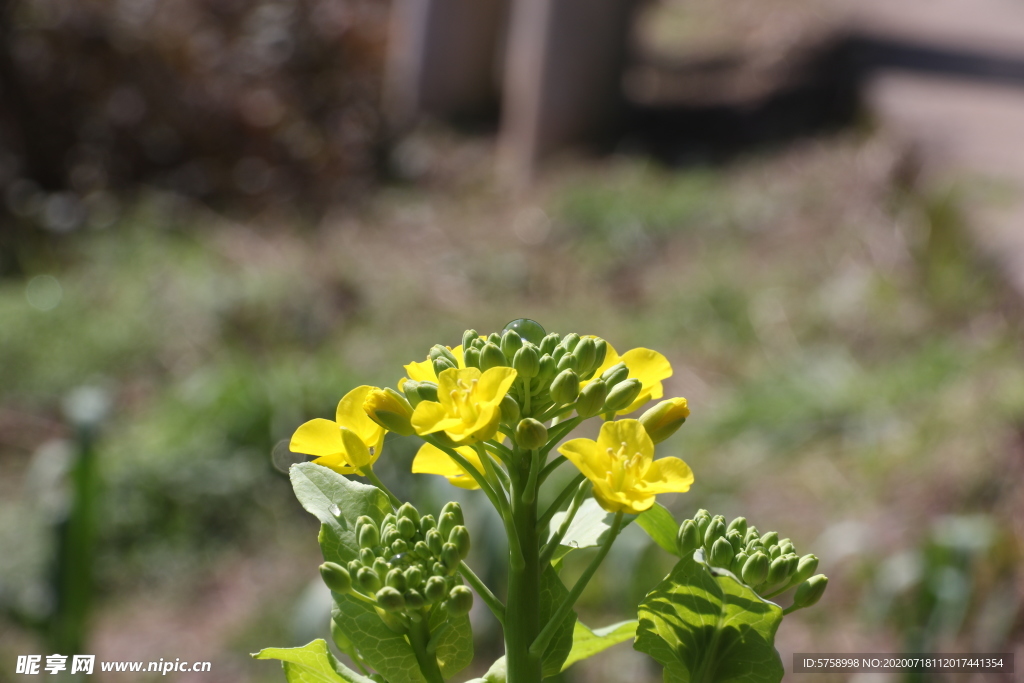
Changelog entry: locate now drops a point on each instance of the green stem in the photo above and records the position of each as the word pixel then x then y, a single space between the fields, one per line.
pixel 530 493
pixel 541 644
pixel 514 547
pixel 477 475
pixel 419 638
pixel 503 452
pixel 526 396
pixel 522 620
pixel 375 480
pixel 542 523
pixel 574 507
pixel 497 609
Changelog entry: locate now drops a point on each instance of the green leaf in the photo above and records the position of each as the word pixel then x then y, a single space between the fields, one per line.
pixel 455 648
pixel 552 593
pixel 496 674
pixel 704 626
pixel 312 663
pixel 661 526
pixel 337 502
pixel 587 643
pixel 587 529
pixel 386 651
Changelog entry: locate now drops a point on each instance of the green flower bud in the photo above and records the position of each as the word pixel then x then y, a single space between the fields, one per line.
pixel 390 409
pixel 460 601
pixel 531 434
pixel 468 337
pixel 805 568
pixel 615 374
pixel 494 338
pixel 738 562
pixel 354 566
pixel 438 569
pixel 414 577
pixel 740 525
pixel 450 557
pixel 787 546
pixel 754 545
pixel 568 362
pixel 406 528
pixel 460 539
pixel 492 357
pixel 389 535
pixel 367 580
pixel 471 357
pixel 510 343
pixel 769 539
pixel 548 369
pixel 526 362
pixel 447 523
pixel 442 351
pixel 810 591
pixel 399 547
pixel 336 577
pixel 703 522
pixel 721 554
pixel 570 341
pixel 456 510
pixel 380 568
pixel 735 540
pixel 435 589
pixel 509 409
pixel 548 344
pixel 665 418
pixel 369 537
pixel 427 522
pixel 340 639
pixel 442 364
pixel 558 353
pixel 752 533
pixel 422 551
pixel 715 531
pixel 417 392
pixel 390 599
pixel 565 387
pixel 585 354
pixel 414 599
pixel 688 538
pixel 366 557
pixel 434 541
pixel 755 570
pixel 775 552
pixel 778 571
pixel 591 399
pixel 408 511
pixel 601 350
pixel 396 579
pixel 622 395
pixel 529 330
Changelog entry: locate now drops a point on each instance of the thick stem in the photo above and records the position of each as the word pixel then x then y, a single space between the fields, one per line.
pixel 419 638
pixel 522 620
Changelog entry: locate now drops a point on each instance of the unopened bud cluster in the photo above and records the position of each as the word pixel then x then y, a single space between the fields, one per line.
pixel 764 562
pixel 408 563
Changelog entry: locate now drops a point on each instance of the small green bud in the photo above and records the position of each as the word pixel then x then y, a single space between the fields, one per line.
pixel 406 528
pixel 414 577
pixel 389 535
pixel 456 509
pixel 526 361
pixel 740 525
pixel 735 540
pixel 615 374
pixel 591 399
pixel 805 568
pixel 568 362
pixel 715 531
pixel 738 562
pixel 585 354
pixel 468 337
pixel 460 539
pixel 752 533
pixel 408 511
pixel 531 434
pixel 369 537
pixel 787 546
pixel 753 545
pixel 778 570
pixel 530 330
pixel 447 523
pixel 721 554
pixel 471 357
pixel 417 392
pixel 565 387
pixel 460 601
pixel 340 639
pixel 354 566
pixel 422 551
pixel 755 570
pixel 367 580
pixel 509 409
pixel 390 599
pixel 703 522
pixel 399 547
pixel 438 569
pixel 492 357
pixel 570 341
pixel 494 338
pixel 396 579
pixel 774 552
pixel 450 557
pixel 601 350
pixel 336 577
pixel 380 568
pixel 510 343
pixel 769 539
pixel 810 591
pixel 414 599
pixel 388 519
pixel 548 344
pixel 665 418
pixel 622 395
pixel 435 589
pixel 442 364
pixel 688 538
pixel 548 369
pixel 442 351
pixel 434 541
pixel 366 557
pixel 558 353
pixel 427 522
pixel 364 520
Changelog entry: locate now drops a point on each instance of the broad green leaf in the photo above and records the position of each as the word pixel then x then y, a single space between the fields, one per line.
pixel 552 593
pixel 587 529
pixel 496 674
pixel 704 626
pixel 455 649
pixel 312 663
pixel 337 502
pixel 587 643
pixel 661 526
pixel 385 650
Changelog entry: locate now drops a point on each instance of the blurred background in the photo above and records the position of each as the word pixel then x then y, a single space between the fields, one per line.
pixel 218 216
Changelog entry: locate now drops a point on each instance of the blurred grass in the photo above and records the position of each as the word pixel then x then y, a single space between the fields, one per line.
pixel 852 367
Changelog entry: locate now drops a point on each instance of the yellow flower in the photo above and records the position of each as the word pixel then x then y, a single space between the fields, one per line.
pixel 468 404
pixel 424 370
pixel 390 410
pixel 349 443
pixel 622 467
pixel 650 367
pixel 432 460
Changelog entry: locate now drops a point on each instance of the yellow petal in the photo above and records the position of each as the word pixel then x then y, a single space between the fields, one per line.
pixel 494 384
pixel 630 432
pixel 317 437
pixel 337 463
pixel 421 372
pixel 618 501
pixel 667 475
pixel 588 458
pixel 356 452
pixel 350 414
pixel 432 460
pixel 484 427
pixel 611 357
pixel 430 417
pixel 448 381
pixel 650 367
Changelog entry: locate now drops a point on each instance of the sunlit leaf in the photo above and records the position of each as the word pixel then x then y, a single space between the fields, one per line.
pixel 661 526
pixel 312 663
pixel 587 643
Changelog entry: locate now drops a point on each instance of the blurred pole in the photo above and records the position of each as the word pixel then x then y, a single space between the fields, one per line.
pixel 442 59
pixel 563 78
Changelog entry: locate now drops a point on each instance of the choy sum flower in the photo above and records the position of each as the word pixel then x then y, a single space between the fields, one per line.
pixel 432 460
pixel 622 467
pixel 646 365
pixel 349 443
pixel 468 404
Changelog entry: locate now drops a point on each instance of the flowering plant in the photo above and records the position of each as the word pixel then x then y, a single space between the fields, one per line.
pixel 491 413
